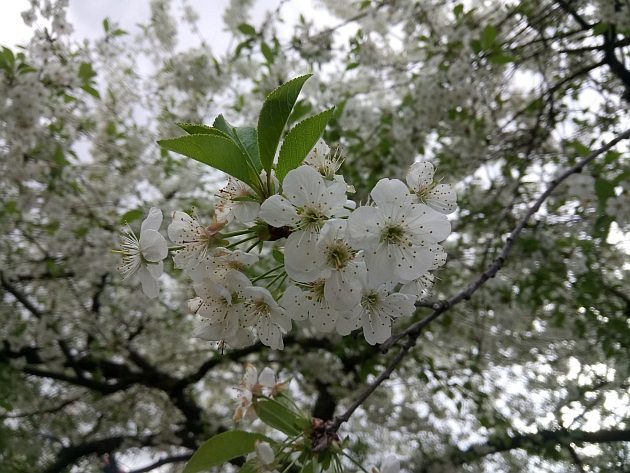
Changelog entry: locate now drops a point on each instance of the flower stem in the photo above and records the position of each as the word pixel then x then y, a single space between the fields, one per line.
pixel 252 246
pixel 237 233
pixel 272 270
pixel 236 243
pixel 176 247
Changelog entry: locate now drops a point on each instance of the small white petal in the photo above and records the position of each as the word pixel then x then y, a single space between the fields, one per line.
pixel 420 176
pixel 303 186
pixel 153 245
pixel 390 194
pixel 153 220
pixel 442 198
pixel 267 378
pixel 149 284
pixel 278 212
pixel 303 258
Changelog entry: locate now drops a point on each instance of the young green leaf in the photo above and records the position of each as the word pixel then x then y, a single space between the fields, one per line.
pixel 201 129
pixel 222 448
pixel 300 140
pixel 215 151
pixel 274 116
pixel 245 137
pixel 276 415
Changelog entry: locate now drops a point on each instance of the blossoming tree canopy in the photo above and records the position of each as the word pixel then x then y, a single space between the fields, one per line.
pixel 429 276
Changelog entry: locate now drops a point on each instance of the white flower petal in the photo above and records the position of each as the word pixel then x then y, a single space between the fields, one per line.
pixel 364 227
pixel 303 186
pixel 153 245
pixel 149 284
pixel 390 193
pixel 278 212
pixel 155 269
pixel 420 176
pixel 153 220
pixel 442 198
pixel 294 302
pixel 246 212
pixel 267 378
pixel 376 328
pixel 303 258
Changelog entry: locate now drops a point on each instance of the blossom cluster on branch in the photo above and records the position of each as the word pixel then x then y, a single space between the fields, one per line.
pixel 344 267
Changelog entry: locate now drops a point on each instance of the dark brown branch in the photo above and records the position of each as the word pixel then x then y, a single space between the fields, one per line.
pixel 566 6
pixel 162 461
pixel 69 455
pixel 542 439
pixel 413 332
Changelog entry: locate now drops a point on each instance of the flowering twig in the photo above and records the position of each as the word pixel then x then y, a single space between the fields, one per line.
pixel 413 332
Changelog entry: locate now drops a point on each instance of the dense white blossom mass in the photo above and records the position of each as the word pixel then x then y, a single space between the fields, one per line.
pixel 343 267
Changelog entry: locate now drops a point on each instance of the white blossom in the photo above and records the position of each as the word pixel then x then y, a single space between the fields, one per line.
pixel 142 258
pixel 376 311
pixel 308 204
pixel 396 234
pixel 440 197
pixel 310 303
pixel 264 313
pixel 236 201
pixel 198 243
pixel 219 307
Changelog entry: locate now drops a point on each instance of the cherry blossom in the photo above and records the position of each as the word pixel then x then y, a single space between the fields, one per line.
pixel 263 312
pixel 142 258
pixel 440 197
pixel 197 241
pixel 310 303
pixel 379 306
pixel 396 234
pixel 236 201
pixel 219 307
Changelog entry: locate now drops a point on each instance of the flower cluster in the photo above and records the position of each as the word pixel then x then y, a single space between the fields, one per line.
pixel 343 267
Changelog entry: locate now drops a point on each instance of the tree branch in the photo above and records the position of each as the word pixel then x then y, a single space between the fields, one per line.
pixel 542 439
pixel 413 331
pixel 162 461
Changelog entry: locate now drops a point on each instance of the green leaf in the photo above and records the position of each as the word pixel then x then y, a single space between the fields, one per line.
pixel 91 90
pixel 604 189
pixel 106 25
pixel 245 137
pixel 247 29
pixel 278 416
pixel 222 448
pixel 300 140
pixel 274 116
pixel 267 52
pixel 458 10
pixel 201 129
pixel 248 467
pixel 131 215
pixel 86 72
pixel 488 37
pixel 501 57
pixel 215 151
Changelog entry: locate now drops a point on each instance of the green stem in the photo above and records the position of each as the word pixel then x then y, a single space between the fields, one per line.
pixel 274 280
pixel 272 270
pixel 237 233
pixel 251 247
pixel 176 247
pixel 354 461
pixel 236 243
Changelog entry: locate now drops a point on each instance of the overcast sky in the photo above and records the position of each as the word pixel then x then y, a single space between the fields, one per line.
pixel 87 15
